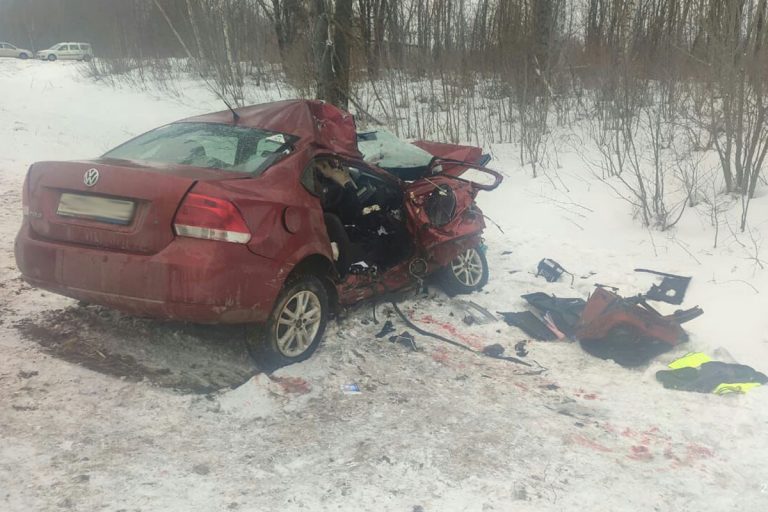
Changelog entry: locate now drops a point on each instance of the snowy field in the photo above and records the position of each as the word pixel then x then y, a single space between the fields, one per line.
pixel 103 412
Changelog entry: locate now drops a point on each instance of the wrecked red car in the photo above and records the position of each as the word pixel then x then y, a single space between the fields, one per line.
pixel 269 214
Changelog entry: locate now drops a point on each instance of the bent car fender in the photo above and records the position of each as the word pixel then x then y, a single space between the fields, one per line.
pixel 467 220
pixel 606 310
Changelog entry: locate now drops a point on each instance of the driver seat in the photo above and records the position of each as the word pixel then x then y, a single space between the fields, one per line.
pixel 349 252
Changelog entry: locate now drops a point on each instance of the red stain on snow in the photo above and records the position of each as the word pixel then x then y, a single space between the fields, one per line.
pixel 440 355
pixel 586 396
pixel 697 451
pixel 640 452
pixel 589 443
pixel 295 385
pixel 693 453
pixel 468 339
pixel 628 432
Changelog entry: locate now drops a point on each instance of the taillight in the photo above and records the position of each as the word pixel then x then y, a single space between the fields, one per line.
pixel 211 218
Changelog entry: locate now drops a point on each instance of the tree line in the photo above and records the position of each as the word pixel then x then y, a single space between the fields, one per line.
pixel 498 69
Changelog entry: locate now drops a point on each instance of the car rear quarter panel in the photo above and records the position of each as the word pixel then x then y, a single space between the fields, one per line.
pixel 285 220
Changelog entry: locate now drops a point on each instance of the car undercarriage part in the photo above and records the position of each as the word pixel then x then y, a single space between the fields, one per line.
pixel 564 312
pixel 529 324
pixel 671 289
pixel 605 310
pixel 629 330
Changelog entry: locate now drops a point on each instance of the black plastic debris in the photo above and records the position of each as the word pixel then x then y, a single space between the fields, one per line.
pixel 549 270
pixel 529 324
pixel 564 312
pixel 671 289
pixel 386 329
pixel 520 349
pixel 494 350
pixel 406 339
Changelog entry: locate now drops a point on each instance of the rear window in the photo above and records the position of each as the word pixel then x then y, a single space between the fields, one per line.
pixel 208 145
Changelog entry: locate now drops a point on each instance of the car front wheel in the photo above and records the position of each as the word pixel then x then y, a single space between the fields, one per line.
pixel 52 57
pixel 23 56
pixel 466 273
pixel 294 329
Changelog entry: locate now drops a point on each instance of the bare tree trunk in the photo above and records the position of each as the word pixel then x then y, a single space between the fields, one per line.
pixel 342 36
pixel 323 49
pixel 195 31
pixel 332 39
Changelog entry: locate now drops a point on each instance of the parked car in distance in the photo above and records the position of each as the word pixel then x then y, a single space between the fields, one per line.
pixel 273 215
pixel 9 50
pixel 67 51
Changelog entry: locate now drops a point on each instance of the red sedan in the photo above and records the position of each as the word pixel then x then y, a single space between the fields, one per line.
pixel 274 214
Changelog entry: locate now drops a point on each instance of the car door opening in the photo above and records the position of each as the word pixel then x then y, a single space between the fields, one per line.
pixel 363 214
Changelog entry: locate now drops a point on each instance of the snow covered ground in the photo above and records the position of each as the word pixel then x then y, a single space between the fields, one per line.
pixel 103 412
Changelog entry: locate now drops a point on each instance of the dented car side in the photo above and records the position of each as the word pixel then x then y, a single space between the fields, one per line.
pixel 195 235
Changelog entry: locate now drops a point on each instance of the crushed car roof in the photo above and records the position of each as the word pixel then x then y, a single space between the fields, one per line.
pixel 314 122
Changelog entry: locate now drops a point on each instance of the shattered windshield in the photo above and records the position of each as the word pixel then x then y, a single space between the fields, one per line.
pixel 207 145
pixel 383 148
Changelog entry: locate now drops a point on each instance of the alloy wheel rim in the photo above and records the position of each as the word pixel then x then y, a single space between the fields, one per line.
pixel 298 323
pixel 468 268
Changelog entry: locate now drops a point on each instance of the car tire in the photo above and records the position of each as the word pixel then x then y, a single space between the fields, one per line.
pixel 295 327
pixel 86 58
pixel 23 56
pixel 466 273
pixel 52 57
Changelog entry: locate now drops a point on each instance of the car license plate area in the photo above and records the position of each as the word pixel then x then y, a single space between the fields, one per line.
pixel 96 208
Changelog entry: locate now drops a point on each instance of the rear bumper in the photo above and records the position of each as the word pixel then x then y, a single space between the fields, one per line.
pixel 191 280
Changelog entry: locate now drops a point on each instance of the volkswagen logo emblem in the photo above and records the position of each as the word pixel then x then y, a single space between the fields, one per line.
pixel 91 177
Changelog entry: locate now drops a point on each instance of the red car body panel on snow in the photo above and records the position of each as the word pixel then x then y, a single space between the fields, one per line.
pixel 606 311
pixel 144 268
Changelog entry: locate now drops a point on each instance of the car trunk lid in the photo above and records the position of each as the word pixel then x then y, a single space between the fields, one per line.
pixel 110 204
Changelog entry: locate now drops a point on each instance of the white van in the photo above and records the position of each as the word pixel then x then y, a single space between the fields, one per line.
pixel 68 51
pixel 9 50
